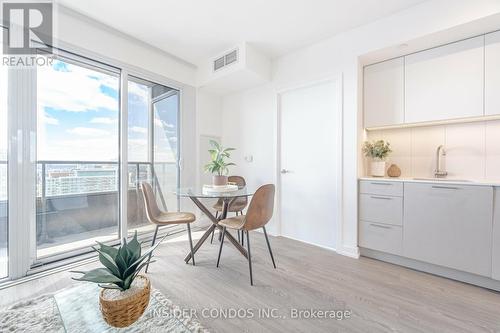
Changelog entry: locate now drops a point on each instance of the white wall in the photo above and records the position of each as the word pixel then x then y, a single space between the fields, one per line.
pixel 333 56
pixel 208 122
pixel 249 124
pixel 472 150
pixel 209 112
pixel 83 32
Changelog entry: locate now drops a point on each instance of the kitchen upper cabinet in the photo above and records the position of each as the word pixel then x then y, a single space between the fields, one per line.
pixel 383 93
pixel 445 82
pixel 449 225
pixel 492 74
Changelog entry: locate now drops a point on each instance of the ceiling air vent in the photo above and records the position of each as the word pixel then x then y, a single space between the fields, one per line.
pixel 225 60
pixel 219 63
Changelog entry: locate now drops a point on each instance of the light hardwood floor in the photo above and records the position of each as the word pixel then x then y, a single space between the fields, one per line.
pixel 382 297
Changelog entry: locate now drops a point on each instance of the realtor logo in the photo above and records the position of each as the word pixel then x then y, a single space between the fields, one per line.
pixel 29 27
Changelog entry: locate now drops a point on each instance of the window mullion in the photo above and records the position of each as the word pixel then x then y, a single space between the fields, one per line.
pixel 123 158
pixel 22 169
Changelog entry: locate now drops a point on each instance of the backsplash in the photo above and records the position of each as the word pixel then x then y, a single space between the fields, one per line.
pixel 472 149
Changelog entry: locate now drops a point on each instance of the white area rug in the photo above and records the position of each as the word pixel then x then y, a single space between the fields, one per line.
pixel 42 314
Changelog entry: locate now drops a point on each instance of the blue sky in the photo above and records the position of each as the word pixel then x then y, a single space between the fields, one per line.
pixel 78 112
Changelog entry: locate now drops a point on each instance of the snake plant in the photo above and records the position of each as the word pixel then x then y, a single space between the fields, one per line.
pixel 121 265
pixel 218 155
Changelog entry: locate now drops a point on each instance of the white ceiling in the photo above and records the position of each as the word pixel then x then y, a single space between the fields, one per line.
pixel 197 29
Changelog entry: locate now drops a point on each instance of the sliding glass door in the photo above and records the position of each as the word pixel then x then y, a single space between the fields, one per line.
pixel 3 170
pixel 77 185
pixel 166 145
pixel 85 135
pixel 152 148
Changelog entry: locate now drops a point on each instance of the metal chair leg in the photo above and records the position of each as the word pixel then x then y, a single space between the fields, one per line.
pixel 249 258
pixel 220 235
pixel 239 241
pixel 242 238
pixel 269 246
pixel 190 242
pixel 221 243
pixel 152 243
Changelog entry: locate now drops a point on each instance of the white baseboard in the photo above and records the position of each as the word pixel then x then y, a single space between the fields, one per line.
pixel 352 252
pixel 449 273
pixel 305 242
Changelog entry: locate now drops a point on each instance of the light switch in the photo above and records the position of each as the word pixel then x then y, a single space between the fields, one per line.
pixel 249 158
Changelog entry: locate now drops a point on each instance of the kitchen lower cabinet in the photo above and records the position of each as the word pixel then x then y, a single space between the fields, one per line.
pixel 449 225
pixel 495 260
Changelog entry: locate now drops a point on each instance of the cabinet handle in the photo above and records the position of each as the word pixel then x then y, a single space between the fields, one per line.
pixel 381 198
pixel 386 184
pixel 446 187
pixel 380 226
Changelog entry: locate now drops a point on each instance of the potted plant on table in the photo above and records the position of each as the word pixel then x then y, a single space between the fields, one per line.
pixel 125 293
pixel 218 165
pixel 378 151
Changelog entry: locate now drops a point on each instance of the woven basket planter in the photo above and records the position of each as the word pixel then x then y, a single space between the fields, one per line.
pixel 125 311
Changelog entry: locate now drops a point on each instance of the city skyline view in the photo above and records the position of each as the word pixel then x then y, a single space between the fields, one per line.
pixel 78 115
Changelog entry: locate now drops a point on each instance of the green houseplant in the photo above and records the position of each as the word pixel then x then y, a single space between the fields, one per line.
pixel 378 151
pixel 218 165
pixel 125 293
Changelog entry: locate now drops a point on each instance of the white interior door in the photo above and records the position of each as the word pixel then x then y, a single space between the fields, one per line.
pixel 309 150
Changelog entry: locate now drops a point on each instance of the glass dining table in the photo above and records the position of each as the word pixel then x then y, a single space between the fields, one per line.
pixel 227 198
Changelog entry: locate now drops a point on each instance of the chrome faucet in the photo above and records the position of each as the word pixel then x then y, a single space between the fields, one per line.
pixel 438 173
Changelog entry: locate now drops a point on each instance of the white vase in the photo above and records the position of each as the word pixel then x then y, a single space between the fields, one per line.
pixel 377 168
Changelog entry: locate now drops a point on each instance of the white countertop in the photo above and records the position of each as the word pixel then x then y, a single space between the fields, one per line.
pixel 480 182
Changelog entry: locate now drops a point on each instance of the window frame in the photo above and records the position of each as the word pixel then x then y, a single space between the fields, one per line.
pixel 22 143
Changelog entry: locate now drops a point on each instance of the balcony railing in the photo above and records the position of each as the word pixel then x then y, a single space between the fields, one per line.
pixel 78 201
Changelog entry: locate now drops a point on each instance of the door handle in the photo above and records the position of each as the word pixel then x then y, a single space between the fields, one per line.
pixel 446 187
pixel 283 171
pixel 380 198
pixel 380 226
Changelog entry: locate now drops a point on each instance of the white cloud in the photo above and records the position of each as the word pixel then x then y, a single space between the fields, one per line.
pixel 163 124
pixel 81 149
pixel 45 118
pixel 88 131
pixel 139 91
pixel 137 129
pixel 76 90
pixel 137 150
pixel 103 120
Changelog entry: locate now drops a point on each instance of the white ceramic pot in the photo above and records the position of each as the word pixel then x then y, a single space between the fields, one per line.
pixel 377 168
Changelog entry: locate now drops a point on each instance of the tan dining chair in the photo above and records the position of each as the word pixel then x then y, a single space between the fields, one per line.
pixel 161 218
pixel 236 207
pixel 258 214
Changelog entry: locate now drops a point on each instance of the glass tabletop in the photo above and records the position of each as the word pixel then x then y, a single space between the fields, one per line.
pixel 79 312
pixel 197 192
